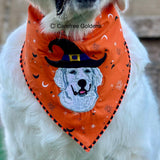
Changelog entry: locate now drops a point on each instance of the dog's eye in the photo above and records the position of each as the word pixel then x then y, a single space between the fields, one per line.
pixel 72 72
pixel 87 71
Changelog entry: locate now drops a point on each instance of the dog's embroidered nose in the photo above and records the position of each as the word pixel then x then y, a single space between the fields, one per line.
pixel 82 83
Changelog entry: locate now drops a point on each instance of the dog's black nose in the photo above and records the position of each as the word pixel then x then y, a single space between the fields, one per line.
pixel 82 83
pixel 81 1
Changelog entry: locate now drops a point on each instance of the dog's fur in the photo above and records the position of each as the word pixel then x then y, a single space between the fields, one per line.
pixel 31 135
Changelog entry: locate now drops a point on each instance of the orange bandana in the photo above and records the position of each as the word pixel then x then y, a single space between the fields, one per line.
pixel 80 84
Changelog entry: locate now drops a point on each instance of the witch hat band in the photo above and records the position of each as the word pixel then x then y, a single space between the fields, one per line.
pixel 73 57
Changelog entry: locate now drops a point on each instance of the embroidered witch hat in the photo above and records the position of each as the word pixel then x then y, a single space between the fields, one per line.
pixel 73 57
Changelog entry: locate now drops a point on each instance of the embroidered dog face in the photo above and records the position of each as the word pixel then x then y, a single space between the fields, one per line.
pixel 78 87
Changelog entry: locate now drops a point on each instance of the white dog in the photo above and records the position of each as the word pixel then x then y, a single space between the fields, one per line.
pixel 30 134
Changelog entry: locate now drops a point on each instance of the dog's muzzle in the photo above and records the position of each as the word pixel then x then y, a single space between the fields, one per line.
pixel 60 6
pixel 82 92
pixel 86 3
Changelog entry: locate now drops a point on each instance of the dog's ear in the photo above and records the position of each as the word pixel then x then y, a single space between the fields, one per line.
pixel 60 78
pixel 122 4
pixel 97 78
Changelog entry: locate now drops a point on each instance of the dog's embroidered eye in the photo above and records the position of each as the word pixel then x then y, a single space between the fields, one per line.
pixel 87 71
pixel 73 72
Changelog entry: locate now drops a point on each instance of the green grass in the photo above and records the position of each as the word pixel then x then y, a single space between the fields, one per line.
pixel 2 153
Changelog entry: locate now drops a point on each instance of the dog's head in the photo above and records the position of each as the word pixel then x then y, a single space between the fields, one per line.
pixel 72 11
pixel 78 87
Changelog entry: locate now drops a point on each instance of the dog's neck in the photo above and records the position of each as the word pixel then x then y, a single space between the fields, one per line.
pixel 76 27
pixel 69 26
